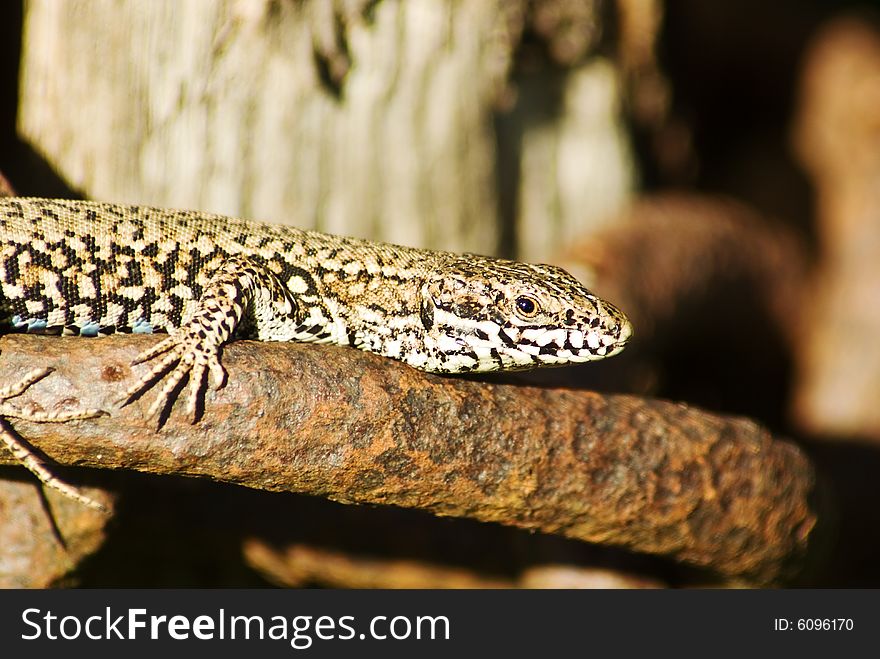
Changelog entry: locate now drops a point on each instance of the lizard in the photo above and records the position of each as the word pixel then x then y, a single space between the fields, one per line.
pixel 87 268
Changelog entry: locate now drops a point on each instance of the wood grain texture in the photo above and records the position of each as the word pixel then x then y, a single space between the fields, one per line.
pixel 409 122
pixel 373 122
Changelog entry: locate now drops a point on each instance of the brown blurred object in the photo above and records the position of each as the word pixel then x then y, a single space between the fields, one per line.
pixel 837 137
pixel 298 565
pixel 713 289
pixel 6 189
pixel 639 27
pixel 570 576
pixel 667 257
pixel 45 536
pixel 570 28
pixel 666 138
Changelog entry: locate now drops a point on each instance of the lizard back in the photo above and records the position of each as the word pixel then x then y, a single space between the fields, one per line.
pixel 88 268
pixel 77 267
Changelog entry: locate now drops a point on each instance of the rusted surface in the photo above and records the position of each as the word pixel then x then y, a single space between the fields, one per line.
pixel 649 475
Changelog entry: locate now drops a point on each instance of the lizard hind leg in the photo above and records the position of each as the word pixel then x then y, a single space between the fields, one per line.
pixel 193 350
pixel 23 453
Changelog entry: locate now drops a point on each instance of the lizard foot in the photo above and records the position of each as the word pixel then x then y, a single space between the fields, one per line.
pixel 186 353
pixel 26 455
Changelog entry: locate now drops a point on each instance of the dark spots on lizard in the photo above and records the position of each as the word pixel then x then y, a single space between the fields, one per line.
pixel 44 214
pixel 378 308
pixel 505 339
pixel 41 258
pixel 426 313
pixel 89 241
pixel 11 272
pixel 53 330
pixel 166 270
pixel 123 250
pixel 176 303
pixel 16 212
pixel 470 310
pixel 289 272
pixel 496 357
pixel 91 215
pixel 119 211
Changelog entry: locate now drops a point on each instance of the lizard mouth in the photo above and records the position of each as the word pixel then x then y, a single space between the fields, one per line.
pixel 560 346
pixel 590 345
pixel 596 340
pixel 608 343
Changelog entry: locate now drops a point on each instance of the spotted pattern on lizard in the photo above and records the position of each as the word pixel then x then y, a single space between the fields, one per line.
pixel 87 268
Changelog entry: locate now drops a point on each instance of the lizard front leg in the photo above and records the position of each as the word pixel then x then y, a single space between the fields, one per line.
pixel 241 289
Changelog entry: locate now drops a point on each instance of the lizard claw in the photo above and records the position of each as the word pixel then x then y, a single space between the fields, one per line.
pixel 185 354
pixel 218 374
pixel 146 381
pixel 25 454
pixel 16 388
pixel 162 347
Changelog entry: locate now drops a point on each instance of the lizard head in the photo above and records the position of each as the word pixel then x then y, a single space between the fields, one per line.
pixel 482 314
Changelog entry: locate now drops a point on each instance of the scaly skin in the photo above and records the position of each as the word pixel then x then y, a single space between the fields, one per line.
pixel 86 268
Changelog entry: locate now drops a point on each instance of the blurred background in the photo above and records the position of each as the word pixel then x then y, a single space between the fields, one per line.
pixel 711 167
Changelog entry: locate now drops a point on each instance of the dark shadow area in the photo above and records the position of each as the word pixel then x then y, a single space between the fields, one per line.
pixel 735 71
pixel 179 532
pixel 10 65
pixel 735 68
pixel 849 469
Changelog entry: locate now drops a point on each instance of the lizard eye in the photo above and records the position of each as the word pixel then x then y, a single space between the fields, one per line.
pixel 526 306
